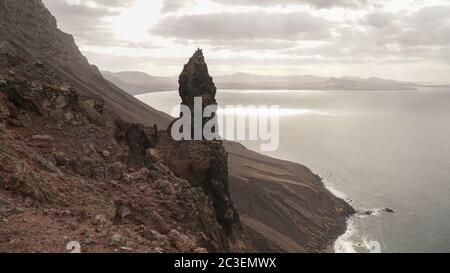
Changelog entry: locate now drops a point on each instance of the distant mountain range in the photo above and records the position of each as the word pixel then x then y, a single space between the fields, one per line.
pixel 139 82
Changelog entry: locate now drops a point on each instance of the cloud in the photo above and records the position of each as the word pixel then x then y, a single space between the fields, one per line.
pixel 256 45
pixel 175 5
pixel 320 4
pixel 379 19
pixel 252 25
pixel 429 26
pixel 104 3
pixel 420 36
pixel 115 3
pixel 242 44
pixel 85 20
pixel 260 34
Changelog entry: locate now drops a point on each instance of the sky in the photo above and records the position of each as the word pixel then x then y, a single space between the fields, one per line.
pixel 398 39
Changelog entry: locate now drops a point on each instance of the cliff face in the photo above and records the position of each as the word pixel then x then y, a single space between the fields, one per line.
pixel 73 168
pixel 205 166
pixel 203 163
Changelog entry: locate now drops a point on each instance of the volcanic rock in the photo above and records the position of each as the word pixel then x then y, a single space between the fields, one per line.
pixel 116 239
pixel 84 146
pixel 195 82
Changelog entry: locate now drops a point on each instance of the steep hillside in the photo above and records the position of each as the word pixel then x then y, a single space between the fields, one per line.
pixel 284 205
pixel 139 83
pixel 77 165
pixel 29 29
pixel 74 169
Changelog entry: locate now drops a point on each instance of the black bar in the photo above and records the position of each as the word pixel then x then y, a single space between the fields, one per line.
pixel 215 262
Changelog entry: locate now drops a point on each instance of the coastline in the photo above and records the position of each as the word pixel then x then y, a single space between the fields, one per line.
pixel 342 241
pixel 253 176
pixel 288 199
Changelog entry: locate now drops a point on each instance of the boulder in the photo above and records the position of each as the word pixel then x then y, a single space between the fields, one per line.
pixel 137 177
pixel 116 240
pixel 106 154
pixel 45 138
pixel 181 241
pixel 200 250
pixel 61 159
pixel 123 212
pixel 138 142
pixel 101 218
pixel 153 235
pixel 115 171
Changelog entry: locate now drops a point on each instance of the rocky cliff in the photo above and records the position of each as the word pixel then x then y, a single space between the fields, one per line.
pixel 203 163
pixel 74 168
pixel 196 83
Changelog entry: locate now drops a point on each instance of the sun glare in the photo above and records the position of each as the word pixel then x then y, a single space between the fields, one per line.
pixel 134 22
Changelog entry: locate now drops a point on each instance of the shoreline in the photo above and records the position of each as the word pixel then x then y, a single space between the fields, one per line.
pixel 349 228
pixel 287 199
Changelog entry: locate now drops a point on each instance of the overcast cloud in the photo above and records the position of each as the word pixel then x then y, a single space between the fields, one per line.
pixel 249 26
pixel 321 4
pixel 405 40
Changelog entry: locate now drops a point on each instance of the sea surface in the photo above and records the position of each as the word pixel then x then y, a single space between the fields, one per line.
pixel 376 149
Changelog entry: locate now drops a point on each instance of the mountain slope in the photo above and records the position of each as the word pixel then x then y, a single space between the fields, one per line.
pixel 139 83
pixel 29 27
pixel 70 128
pixel 73 168
pixel 285 206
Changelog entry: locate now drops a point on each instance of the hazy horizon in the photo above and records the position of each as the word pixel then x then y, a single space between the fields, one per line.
pixel 230 74
pixel 407 41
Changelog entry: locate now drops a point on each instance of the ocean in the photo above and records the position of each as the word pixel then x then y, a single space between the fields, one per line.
pixel 376 149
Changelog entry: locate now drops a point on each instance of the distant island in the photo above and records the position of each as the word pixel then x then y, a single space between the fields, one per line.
pixel 139 82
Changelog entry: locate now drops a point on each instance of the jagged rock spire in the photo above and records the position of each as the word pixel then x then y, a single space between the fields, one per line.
pixel 195 82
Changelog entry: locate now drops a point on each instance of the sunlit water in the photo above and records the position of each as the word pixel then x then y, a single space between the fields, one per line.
pixel 380 149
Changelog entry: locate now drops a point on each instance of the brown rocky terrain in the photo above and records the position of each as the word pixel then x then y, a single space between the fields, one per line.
pixel 81 160
pixel 73 168
pixel 71 171
pixel 29 28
